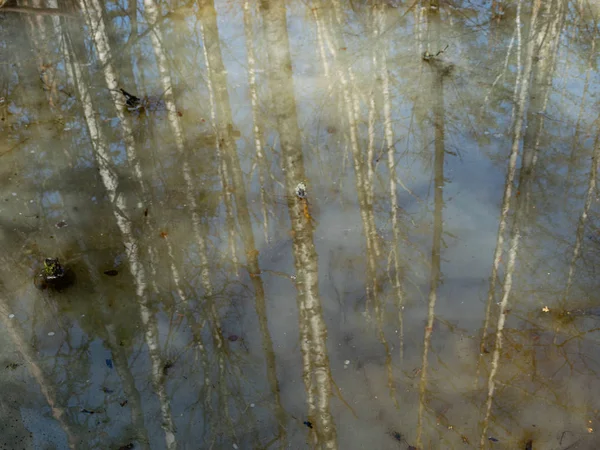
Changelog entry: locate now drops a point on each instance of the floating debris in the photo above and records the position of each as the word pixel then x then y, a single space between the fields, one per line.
pixel 123 403
pixel 397 436
pixel 111 272
pixel 61 224
pixel 147 103
pixel 52 269
pixel 11 316
pixel 308 423
pixel 529 445
pixel 109 363
pixel 88 411
pixel 300 190
pixel 53 276
pixel 51 333
pixel 12 366
pixel 493 439
pixel 233 338
pixel 107 390
pixel 131 100
pixel 429 56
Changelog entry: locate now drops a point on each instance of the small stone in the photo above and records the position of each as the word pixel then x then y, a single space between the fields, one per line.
pixel 347 362
pixel 11 316
pixel 252 405
pixel 51 333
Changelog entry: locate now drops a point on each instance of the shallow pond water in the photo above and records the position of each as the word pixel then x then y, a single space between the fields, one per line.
pixel 301 224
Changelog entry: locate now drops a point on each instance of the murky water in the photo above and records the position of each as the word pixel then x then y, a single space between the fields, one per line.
pixel 307 225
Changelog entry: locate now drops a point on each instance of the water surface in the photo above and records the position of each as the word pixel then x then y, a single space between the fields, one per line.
pixel 314 225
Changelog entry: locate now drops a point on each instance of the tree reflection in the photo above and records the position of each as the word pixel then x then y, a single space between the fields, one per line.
pixel 450 150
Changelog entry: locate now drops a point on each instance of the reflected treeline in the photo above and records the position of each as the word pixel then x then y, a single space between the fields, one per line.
pixel 197 165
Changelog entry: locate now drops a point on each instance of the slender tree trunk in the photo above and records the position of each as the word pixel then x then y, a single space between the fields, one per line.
pixel 363 188
pixel 47 386
pixel 580 117
pixel 263 165
pixel 228 150
pixel 152 15
pixel 122 214
pixel 312 325
pixel 40 39
pixel 134 400
pixel 522 87
pixel 589 197
pixel 391 159
pixel 515 233
pixel 437 91
pixel 546 47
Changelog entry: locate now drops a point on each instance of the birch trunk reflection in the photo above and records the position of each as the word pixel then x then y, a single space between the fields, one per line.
pixel 41 37
pixel 351 109
pixel 263 167
pixel 438 72
pixel 589 197
pixel 118 353
pixel 228 150
pixel 515 233
pixel 393 174
pixel 224 172
pixel 546 47
pixel 94 16
pixel 378 305
pixel 521 94
pixel 47 386
pixel 122 214
pixel 228 200
pixel 580 117
pixel 152 15
pixel 134 400
pixel 313 331
pixel 92 10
